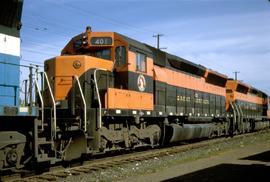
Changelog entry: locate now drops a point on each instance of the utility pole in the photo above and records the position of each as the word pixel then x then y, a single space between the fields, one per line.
pixel 158 36
pixel 235 74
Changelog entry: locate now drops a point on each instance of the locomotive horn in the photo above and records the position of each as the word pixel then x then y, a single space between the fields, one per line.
pixel 88 29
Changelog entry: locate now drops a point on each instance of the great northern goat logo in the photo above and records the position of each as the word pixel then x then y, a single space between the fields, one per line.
pixel 141 83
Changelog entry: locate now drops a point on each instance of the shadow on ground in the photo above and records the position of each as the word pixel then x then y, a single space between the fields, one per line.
pixel 263 157
pixel 231 172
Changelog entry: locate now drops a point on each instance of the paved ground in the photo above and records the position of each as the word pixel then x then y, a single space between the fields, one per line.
pixel 245 163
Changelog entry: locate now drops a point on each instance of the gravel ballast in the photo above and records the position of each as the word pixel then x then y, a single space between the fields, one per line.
pixel 157 164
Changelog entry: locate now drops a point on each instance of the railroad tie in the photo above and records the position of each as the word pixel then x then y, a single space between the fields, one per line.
pixel 82 170
pixel 60 174
pixel 48 177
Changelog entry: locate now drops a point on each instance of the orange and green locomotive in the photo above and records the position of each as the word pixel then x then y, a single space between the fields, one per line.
pixel 109 92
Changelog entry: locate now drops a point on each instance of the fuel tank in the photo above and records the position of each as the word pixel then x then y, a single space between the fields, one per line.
pixel 178 132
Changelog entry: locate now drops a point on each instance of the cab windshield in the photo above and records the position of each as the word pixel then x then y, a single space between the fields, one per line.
pixel 104 53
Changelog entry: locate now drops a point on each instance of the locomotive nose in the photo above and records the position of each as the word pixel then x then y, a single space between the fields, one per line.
pixel 62 69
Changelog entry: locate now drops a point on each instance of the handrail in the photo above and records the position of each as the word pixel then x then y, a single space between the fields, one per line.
pixel 97 90
pixel 242 118
pixel 42 105
pixel 54 104
pixel 239 116
pixel 84 102
pixel 234 114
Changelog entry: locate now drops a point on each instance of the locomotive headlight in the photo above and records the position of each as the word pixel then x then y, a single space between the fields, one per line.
pixel 84 40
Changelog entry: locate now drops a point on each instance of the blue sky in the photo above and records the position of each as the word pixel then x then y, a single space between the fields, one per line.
pixel 224 35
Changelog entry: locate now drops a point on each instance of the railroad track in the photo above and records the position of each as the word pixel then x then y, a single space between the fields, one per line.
pixel 57 173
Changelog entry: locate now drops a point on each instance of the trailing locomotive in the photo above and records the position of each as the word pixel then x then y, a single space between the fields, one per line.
pixel 109 92
pixel 248 106
pixel 16 120
pixel 9 56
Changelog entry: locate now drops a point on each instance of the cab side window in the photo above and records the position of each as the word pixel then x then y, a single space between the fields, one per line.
pixel 140 62
pixel 120 55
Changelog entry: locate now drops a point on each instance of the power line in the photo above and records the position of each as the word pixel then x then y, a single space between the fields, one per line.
pixel 79 10
pixel 52 23
pixel 40 44
pixel 13 64
pixel 38 52
pixel 45 30
pixel 83 11
pixel 111 20
pixel 37 40
pixel 87 12
pixel 33 62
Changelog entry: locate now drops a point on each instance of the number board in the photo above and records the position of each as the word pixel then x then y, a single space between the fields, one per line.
pixel 101 41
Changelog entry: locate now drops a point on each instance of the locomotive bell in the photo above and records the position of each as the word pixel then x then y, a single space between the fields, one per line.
pixel 88 29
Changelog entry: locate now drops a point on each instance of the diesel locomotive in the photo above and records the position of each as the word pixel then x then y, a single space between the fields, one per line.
pixel 16 119
pixel 108 92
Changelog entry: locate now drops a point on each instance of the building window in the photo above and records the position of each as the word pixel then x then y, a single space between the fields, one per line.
pixel 140 62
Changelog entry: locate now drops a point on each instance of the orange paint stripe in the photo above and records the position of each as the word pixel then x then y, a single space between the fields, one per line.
pixel 186 81
pixel 248 98
pixel 127 99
